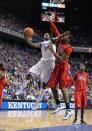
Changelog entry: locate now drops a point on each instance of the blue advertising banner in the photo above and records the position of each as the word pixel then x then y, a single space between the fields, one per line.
pixel 22 105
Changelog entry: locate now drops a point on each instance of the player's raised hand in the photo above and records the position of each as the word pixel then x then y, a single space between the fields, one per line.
pixel 27 38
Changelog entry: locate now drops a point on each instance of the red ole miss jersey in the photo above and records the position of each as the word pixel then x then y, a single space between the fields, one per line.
pixel 81 81
pixel 63 49
pixel 2 81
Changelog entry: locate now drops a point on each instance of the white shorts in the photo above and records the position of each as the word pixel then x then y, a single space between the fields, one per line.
pixel 44 69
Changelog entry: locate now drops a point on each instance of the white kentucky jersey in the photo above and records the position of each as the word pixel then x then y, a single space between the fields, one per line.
pixel 46 53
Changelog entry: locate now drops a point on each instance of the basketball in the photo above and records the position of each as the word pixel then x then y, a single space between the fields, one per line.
pixel 29 32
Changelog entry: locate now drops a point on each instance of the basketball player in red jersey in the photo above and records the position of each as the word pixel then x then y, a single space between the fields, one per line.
pixel 60 74
pixel 2 80
pixel 81 83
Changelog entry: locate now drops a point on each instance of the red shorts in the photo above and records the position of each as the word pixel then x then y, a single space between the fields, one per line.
pixel 80 99
pixel 69 81
pixel 59 75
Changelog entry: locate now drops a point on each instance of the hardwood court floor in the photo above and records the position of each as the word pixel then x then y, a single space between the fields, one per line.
pixel 13 120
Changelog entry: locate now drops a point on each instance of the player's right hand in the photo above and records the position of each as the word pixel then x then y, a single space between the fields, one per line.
pixel 25 37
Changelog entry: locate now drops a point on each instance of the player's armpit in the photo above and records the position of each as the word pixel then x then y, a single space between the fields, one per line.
pixel 75 75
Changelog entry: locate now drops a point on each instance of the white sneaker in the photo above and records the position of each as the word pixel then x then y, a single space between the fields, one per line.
pixel 58 108
pixel 36 105
pixel 68 113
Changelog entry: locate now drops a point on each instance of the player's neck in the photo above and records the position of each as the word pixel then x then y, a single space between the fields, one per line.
pixel 67 43
pixel 82 72
pixel 46 39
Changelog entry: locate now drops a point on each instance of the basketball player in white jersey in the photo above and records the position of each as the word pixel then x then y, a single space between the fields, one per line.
pixel 46 65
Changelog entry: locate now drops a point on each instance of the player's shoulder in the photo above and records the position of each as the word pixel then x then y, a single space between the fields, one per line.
pixel 45 41
pixel 86 73
pixel 69 46
pixel 68 49
pixel 42 42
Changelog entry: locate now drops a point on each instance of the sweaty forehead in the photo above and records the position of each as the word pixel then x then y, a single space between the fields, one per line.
pixel 46 33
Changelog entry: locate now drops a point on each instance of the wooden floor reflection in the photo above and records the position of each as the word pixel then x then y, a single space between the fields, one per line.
pixel 13 120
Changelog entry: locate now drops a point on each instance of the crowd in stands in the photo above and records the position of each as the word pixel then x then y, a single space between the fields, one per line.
pixel 13 25
pixel 9 21
pixel 18 60
pixel 83 39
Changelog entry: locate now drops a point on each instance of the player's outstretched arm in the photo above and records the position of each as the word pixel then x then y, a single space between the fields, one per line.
pixel 64 55
pixel 36 45
pixel 54 28
pixel 59 58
